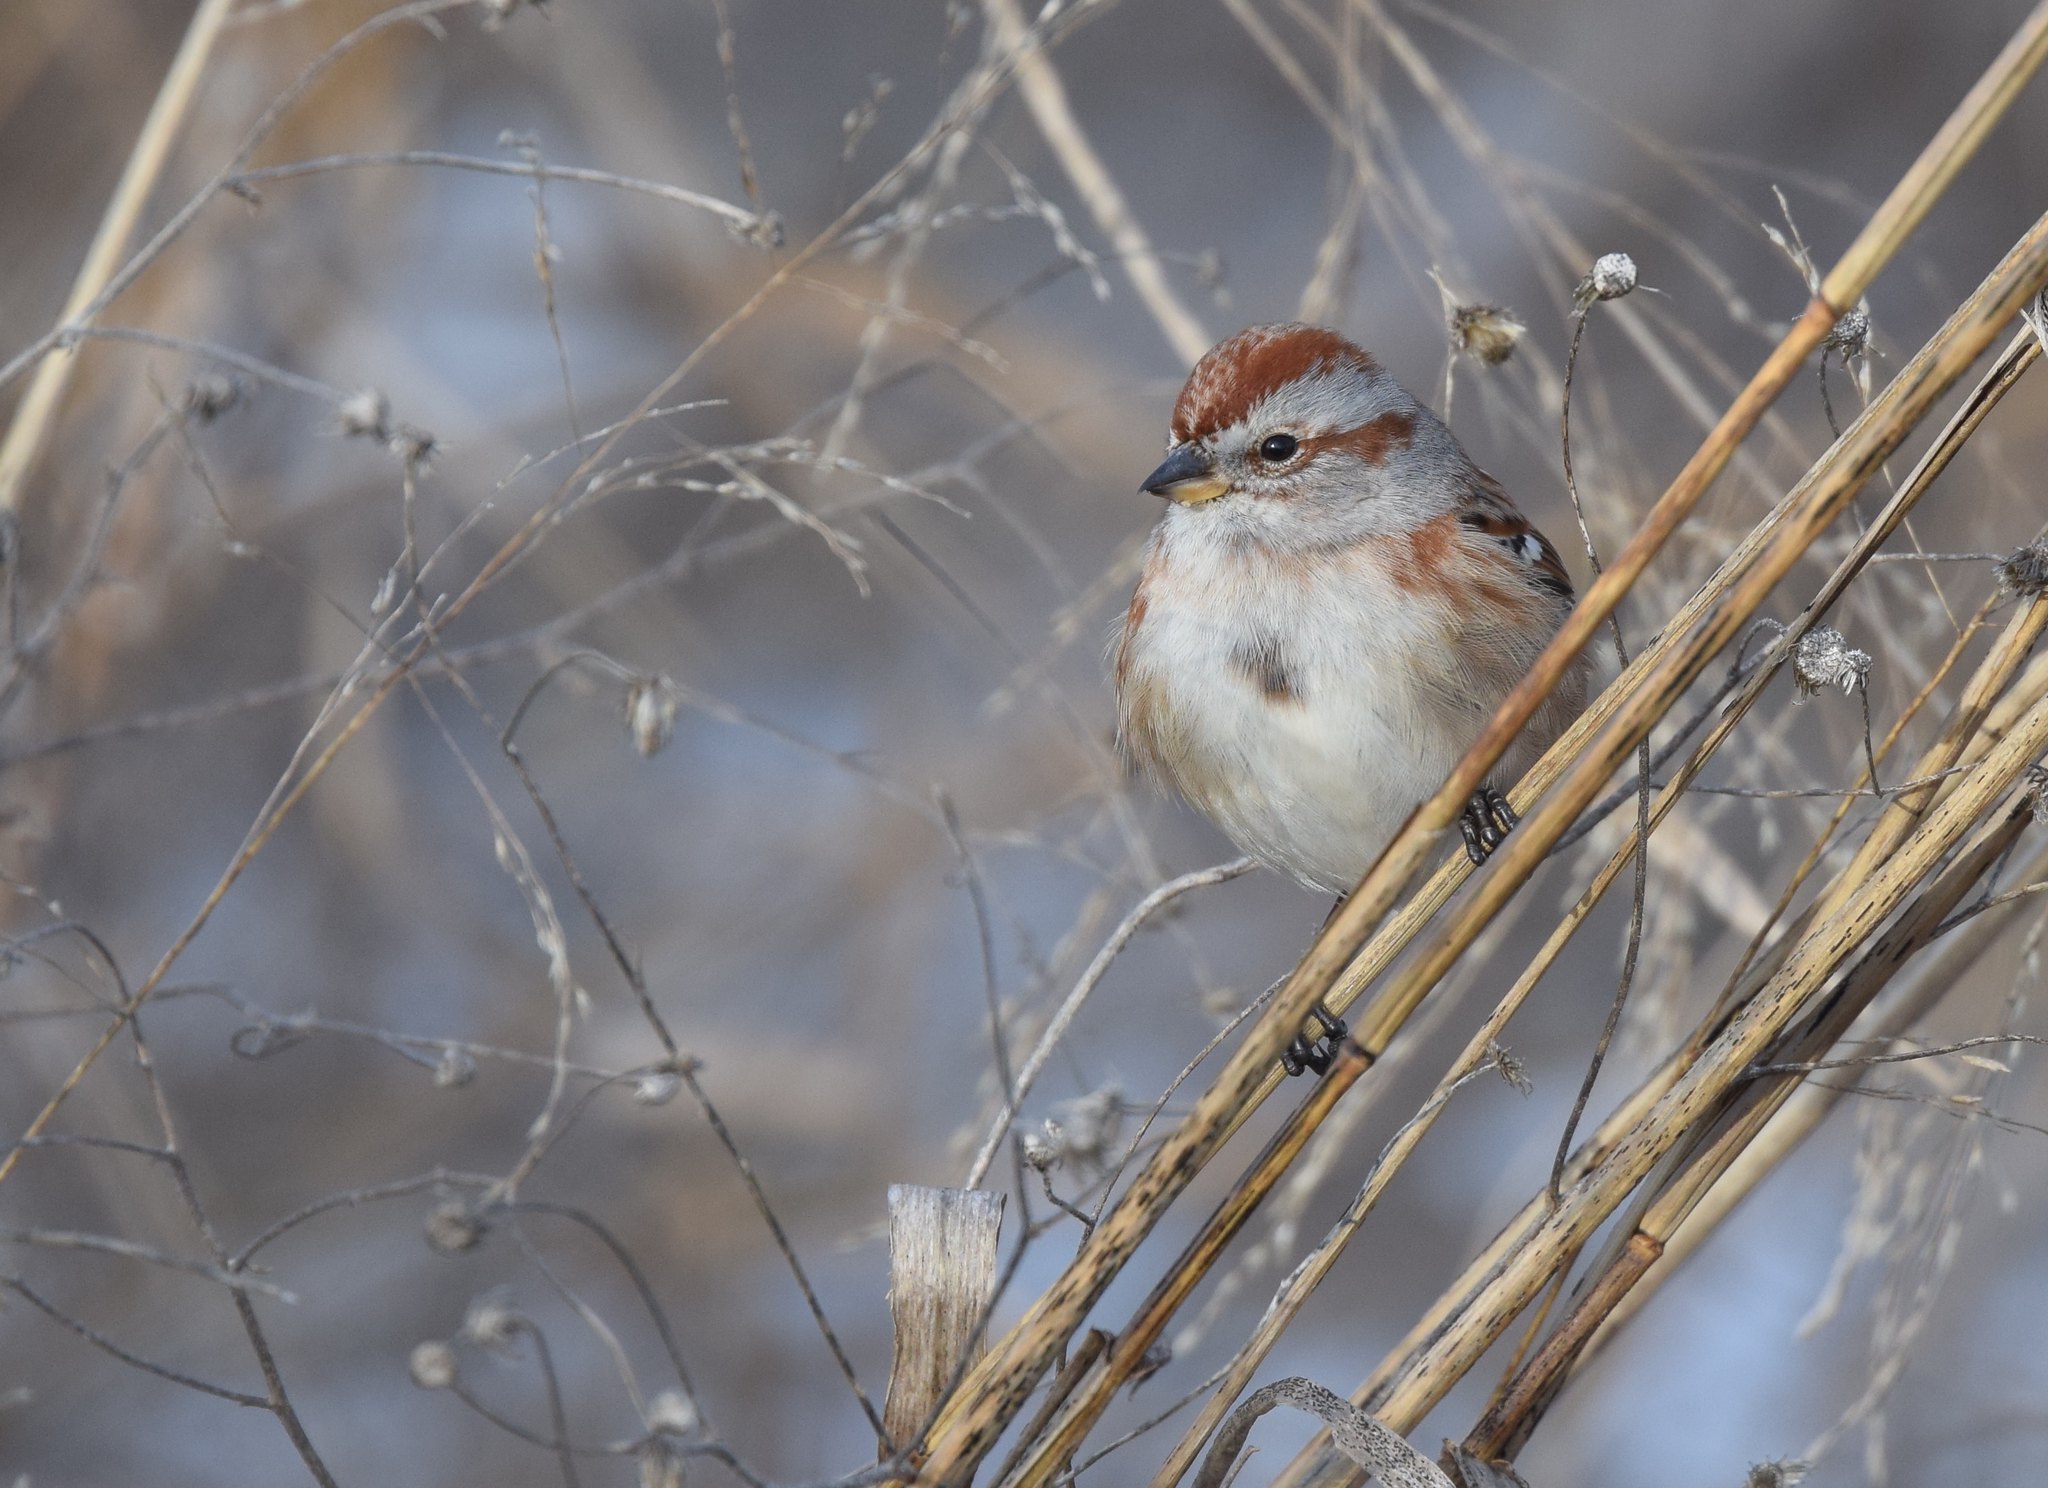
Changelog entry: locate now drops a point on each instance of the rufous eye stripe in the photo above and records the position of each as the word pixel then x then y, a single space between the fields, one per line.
pixel 1372 441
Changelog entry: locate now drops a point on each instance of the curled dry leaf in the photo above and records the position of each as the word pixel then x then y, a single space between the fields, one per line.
pixel 1357 1435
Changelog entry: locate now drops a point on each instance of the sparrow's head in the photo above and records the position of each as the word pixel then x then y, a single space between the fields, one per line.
pixel 1281 422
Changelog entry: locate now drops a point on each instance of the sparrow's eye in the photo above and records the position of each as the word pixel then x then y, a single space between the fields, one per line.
pixel 1278 447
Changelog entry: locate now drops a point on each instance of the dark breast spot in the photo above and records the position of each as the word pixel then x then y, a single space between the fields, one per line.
pixel 1260 659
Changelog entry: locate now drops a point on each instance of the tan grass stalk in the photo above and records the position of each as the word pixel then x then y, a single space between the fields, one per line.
pixel 1804 1112
pixel 36 417
pixel 1514 1413
pixel 1700 1090
pixel 1038 83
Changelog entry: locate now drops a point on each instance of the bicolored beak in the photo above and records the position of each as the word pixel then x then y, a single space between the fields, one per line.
pixel 1186 477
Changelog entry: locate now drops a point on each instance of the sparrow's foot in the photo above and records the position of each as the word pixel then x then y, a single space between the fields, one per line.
pixel 1314 1054
pixel 1486 822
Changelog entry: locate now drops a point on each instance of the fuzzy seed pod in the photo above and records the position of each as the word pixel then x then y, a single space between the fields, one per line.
pixel 1851 335
pixel 1824 658
pixel 453 1227
pixel 2023 573
pixel 1486 333
pixel 1612 276
pixel 651 704
pixel 433 1366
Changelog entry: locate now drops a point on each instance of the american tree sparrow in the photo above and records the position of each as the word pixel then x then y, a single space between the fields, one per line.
pixel 1333 604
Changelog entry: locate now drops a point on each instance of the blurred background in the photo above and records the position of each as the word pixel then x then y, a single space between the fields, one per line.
pixel 863 559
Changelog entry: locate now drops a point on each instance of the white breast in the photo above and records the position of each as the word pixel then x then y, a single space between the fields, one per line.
pixel 1309 764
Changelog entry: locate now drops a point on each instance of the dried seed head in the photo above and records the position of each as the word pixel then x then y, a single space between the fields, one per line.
pixel 651 704
pixel 454 1227
pixel 208 397
pixel 1782 1474
pixel 762 230
pixel 491 1321
pixel 1824 658
pixel 1486 333
pixel 454 1067
pixel 672 1412
pixel 1510 1066
pixel 1612 276
pixel 1151 1362
pixel 2023 573
pixel 415 446
pixel 1851 335
pixel 656 1089
pixel 432 1365
pixel 1081 1131
pixel 365 414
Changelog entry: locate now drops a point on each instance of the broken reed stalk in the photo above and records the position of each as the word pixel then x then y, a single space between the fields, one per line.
pixel 942 1274
pixel 1675 664
pixel 996 1392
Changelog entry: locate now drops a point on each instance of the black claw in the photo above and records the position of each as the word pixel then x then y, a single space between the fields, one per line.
pixel 1485 823
pixel 1317 1054
pixel 1468 828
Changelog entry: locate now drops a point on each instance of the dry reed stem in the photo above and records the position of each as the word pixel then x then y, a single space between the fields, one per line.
pixel 1803 1114
pixel 36 417
pixel 2032 683
pixel 1400 929
pixel 1517 1408
pixel 1905 207
pixel 1820 496
pixel 1993 676
pixel 1809 502
pixel 1701 1089
pixel 1038 83
pixel 999 1388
